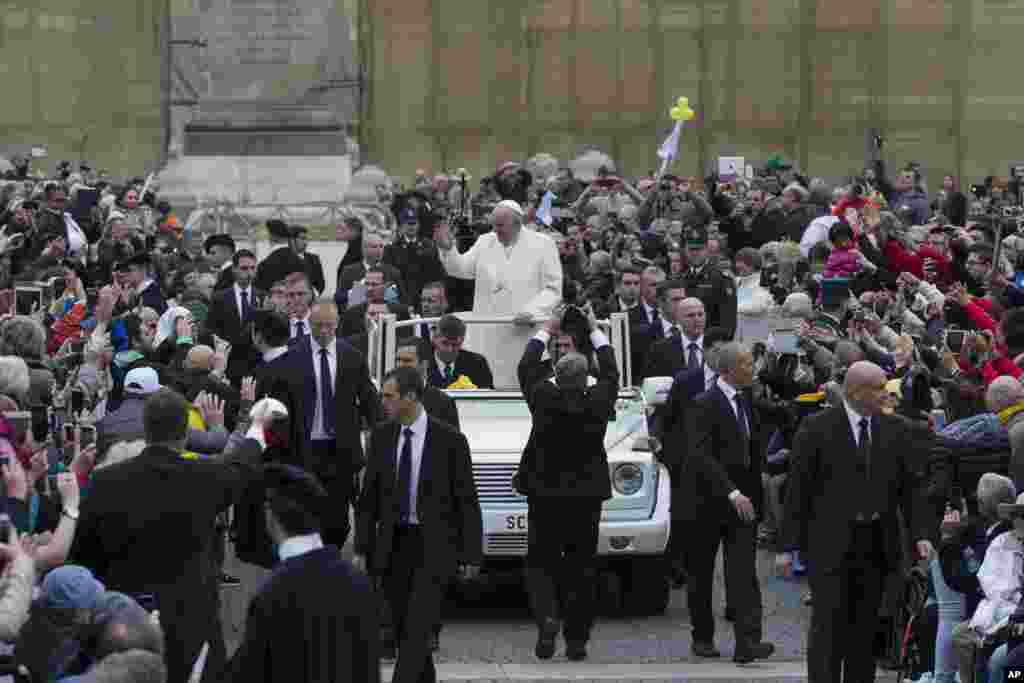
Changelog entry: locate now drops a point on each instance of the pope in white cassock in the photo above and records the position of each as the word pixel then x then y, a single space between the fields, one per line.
pixel 517 273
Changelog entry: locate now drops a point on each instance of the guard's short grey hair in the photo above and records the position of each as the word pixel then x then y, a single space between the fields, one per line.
pixel 798 305
pixel 23 336
pixel 571 370
pixel 847 353
pixel 1004 392
pixel 601 261
pixel 727 356
pixel 136 666
pixel 14 379
pixel 994 489
pixel 655 272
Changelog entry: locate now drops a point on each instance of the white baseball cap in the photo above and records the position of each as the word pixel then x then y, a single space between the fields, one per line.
pixel 142 381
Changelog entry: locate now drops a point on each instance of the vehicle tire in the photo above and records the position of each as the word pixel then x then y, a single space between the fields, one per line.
pixel 647 589
pixel 609 594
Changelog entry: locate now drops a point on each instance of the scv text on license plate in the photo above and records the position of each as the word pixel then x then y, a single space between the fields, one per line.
pixel 517 523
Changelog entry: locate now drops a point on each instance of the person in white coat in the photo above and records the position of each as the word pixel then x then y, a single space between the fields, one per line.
pixel 754 303
pixel 517 273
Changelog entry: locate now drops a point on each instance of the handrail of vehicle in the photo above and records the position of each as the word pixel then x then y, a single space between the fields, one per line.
pixel 617 326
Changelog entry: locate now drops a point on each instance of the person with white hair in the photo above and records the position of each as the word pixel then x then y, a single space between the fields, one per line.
pixel 517 272
pixel 1005 398
pixel 14 379
pixel 962 550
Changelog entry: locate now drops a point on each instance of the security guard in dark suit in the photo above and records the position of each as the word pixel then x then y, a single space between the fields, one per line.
pixel 706 282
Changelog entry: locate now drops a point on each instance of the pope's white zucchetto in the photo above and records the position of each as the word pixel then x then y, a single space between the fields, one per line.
pixel 512 206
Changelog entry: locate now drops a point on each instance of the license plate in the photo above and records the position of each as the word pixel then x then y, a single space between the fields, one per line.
pixel 516 523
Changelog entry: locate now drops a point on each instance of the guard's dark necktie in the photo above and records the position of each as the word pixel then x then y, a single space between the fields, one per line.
pixel 657 329
pixel 693 356
pixel 300 329
pixel 244 296
pixel 424 331
pixel 864 445
pixel 405 477
pixel 326 393
pixel 741 417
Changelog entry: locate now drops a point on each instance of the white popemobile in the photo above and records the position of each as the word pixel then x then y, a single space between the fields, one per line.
pixel 635 521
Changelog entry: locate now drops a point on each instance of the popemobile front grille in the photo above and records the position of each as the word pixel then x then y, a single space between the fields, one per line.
pixel 494 483
pixel 505 544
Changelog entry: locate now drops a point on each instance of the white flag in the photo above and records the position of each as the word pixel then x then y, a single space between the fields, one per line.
pixel 670 148
pixel 544 212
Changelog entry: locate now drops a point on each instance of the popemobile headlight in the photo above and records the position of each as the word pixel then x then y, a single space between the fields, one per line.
pixel 628 478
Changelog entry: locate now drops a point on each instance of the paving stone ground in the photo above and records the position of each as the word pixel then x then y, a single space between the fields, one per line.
pixel 493 640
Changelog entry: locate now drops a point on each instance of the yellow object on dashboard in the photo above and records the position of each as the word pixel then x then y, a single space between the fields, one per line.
pixel 811 398
pixel 462 382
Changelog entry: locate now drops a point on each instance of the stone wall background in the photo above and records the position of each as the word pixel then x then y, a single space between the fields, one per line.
pixel 475 82
pixel 82 77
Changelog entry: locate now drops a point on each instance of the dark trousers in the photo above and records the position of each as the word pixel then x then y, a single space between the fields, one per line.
pixel 844 614
pixel 560 562
pixel 189 620
pixel 742 589
pixel 338 482
pixel 414 594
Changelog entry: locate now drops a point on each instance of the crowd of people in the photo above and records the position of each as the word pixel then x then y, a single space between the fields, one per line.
pixel 162 396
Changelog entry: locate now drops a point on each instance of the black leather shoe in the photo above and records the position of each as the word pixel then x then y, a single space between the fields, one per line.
pixel 435 642
pixel 678 578
pixel 229 581
pixel 575 651
pixel 748 652
pixel 730 614
pixel 705 649
pixel 546 635
pixel 387 651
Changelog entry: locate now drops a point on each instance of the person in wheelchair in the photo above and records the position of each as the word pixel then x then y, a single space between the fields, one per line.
pixel 976 559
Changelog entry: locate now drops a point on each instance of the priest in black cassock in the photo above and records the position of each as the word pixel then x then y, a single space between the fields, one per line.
pixel 315 619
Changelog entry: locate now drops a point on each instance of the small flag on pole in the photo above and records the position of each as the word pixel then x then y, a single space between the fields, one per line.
pixel 544 212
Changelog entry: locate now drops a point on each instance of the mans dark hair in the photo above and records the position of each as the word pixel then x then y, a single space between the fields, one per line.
pixel 983 251
pixel 355 223
pixel 629 270
pixel 1013 330
pixel 452 327
pixel 408 380
pixel 50 188
pixel 667 286
pixel 241 254
pixel 165 417
pixel 272 326
pixel 295 497
pixel 716 335
pixel 378 269
pixel 133 328
pixel 819 252
pixel 437 284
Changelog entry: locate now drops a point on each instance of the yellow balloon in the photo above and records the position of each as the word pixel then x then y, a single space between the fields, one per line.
pixel 683 102
pixel 688 115
pixel 676 114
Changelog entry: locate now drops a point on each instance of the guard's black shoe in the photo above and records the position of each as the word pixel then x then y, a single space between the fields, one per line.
pixel 227 580
pixel 705 649
pixel 546 635
pixel 748 652
pixel 387 651
pixel 576 651
pixel 678 577
pixel 730 614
